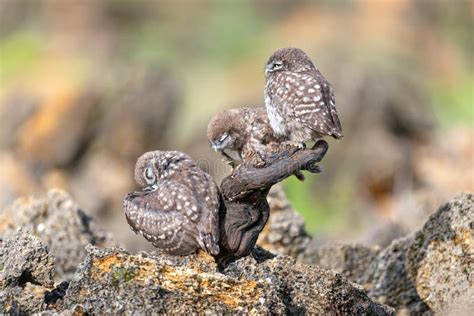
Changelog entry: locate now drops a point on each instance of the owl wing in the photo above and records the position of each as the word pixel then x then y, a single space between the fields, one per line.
pixel 315 105
pixel 166 217
pixel 207 199
pixel 261 135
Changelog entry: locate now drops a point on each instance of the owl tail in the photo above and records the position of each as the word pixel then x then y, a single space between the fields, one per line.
pixel 209 245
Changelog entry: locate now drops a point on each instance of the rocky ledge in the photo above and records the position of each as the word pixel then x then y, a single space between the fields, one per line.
pixel 425 272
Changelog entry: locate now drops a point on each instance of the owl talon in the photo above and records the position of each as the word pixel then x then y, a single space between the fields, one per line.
pixel 299 175
pixel 313 167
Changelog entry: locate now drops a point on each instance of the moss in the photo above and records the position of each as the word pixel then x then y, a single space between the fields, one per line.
pixel 123 275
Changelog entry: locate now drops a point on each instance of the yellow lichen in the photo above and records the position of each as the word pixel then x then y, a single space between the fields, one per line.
pixel 104 265
pixel 188 280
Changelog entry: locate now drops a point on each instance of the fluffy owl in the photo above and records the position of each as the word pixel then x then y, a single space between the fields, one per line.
pixel 299 100
pixel 242 134
pixel 178 207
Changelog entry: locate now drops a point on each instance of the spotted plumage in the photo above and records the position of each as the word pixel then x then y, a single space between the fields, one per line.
pixel 243 134
pixel 299 100
pixel 178 207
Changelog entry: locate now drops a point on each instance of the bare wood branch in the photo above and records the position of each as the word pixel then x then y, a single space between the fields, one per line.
pixel 244 209
pixel 246 178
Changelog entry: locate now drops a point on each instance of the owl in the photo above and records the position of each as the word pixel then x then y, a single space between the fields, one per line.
pixel 243 134
pixel 177 209
pixel 299 100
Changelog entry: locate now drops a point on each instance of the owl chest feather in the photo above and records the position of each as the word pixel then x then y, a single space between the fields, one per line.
pixel 277 122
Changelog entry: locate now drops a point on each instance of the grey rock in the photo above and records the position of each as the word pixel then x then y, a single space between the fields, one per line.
pixel 26 270
pixel 25 258
pixel 112 281
pixel 382 234
pixel 388 282
pixel 351 261
pixel 284 233
pixel 59 222
pixel 441 258
pixel 52 147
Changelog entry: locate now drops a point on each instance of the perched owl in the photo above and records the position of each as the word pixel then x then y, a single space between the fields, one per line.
pixel 243 134
pixel 178 207
pixel 299 100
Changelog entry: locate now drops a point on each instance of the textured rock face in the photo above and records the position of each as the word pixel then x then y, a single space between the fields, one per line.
pixel 441 258
pixel 284 233
pixel 59 223
pixel 258 284
pixel 388 282
pixel 26 270
pixel 429 271
pixel 351 261
pixel 24 258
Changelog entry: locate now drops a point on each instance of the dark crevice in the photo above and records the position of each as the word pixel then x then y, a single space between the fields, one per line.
pixel 27 277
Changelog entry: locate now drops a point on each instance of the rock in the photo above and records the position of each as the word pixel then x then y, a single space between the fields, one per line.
pixel 24 300
pixel 59 222
pixel 15 180
pixel 24 107
pixel 350 260
pixel 284 233
pixel 42 141
pixel 388 282
pixel 440 260
pixel 382 233
pixel 25 258
pixel 308 289
pixel 26 270
pixel 154 93
pixel 259 284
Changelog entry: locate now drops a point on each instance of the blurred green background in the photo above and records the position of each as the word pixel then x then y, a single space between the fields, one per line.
pixel 87 86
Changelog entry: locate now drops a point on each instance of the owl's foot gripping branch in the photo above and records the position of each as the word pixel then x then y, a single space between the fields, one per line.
pixel 244 209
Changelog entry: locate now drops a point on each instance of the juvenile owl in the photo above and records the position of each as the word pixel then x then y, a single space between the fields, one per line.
pixel 242 134
pixel 178 207
pixel 299 100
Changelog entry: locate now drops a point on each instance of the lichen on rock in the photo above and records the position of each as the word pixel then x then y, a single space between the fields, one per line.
pixel 260 284
pixel 409 275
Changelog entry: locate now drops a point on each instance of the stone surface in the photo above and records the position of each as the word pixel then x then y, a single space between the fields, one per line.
pixel 60 223
pixel 284 233
pixel 41 140
pixel 26 270
pixel 441 258
pixel 351 261
pixel 382 234
pixel 428 271
pixel 25 258
pixel 258 284
pixel 387 280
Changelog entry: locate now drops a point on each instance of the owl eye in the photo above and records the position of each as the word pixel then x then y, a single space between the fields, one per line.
pixel 149 176
pixel 273 66
pixel 277 65
pixel 223 137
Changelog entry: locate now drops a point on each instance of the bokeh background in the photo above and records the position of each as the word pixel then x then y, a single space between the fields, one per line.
pixel 88 86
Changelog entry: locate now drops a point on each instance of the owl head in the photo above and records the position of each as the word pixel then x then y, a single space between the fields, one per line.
pixel 155 165
pixel 225 131
pixel 288 59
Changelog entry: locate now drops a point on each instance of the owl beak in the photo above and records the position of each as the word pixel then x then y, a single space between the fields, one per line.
pixel 215 147
pixel 269 68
